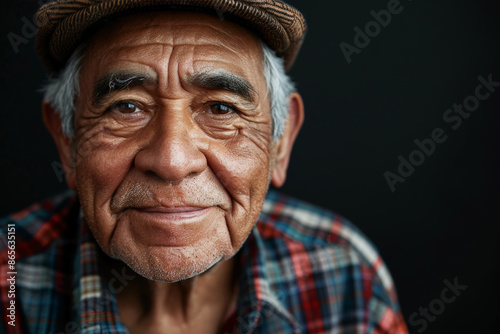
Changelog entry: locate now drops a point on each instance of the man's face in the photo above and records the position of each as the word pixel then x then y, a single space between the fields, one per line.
pixel 173 147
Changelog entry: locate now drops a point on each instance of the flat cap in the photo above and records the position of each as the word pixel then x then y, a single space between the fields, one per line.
pixel 64 24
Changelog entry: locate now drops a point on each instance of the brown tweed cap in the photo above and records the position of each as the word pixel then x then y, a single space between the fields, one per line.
pixel 63 24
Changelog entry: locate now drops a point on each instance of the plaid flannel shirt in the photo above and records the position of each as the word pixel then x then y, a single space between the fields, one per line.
pixel 304 270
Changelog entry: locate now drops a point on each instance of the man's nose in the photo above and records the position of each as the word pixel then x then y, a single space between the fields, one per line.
pixel 170 150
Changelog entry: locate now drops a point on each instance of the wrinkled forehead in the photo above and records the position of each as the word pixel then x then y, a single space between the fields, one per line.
pixel 190 42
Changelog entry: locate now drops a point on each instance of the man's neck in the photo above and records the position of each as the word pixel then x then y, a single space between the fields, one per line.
pixel 199 304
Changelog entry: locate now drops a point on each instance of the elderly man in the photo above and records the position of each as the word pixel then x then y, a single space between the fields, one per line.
pixel 172 118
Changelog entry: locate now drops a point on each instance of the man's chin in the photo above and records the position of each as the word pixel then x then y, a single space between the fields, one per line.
pixel 169 269
pixel 173 275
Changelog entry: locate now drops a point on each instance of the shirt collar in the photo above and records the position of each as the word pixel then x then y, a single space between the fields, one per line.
pixel 257 302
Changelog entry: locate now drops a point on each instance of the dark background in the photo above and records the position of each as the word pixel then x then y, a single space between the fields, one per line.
pixel 441 223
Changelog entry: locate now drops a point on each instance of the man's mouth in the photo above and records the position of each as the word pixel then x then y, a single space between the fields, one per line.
pixel 175 212
pixel 172 226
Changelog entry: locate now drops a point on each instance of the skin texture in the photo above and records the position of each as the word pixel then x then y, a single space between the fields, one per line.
pixel 172 174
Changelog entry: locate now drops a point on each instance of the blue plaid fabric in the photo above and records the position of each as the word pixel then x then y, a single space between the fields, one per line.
pixel 304 270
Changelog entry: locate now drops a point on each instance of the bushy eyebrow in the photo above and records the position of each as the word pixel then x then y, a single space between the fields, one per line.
pixel 213 80
pixel 224 80
pixel 118 81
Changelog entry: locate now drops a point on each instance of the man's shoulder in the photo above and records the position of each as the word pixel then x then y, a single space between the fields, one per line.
pixel 331 262
pixel 316 240
pixel 36 227
pixel 313 226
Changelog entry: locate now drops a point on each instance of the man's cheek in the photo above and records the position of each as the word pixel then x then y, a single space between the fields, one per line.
pixel 98 176
pixel 98 169
pixel 239 168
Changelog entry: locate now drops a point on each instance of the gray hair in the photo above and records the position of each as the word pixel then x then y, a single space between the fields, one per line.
pixel 61 91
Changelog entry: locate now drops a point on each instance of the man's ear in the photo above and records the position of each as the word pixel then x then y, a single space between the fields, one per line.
pixel 285 143
pixel 63 142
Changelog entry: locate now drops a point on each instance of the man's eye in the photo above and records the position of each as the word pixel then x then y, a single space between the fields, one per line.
pixel 125 107
pixel 221 108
